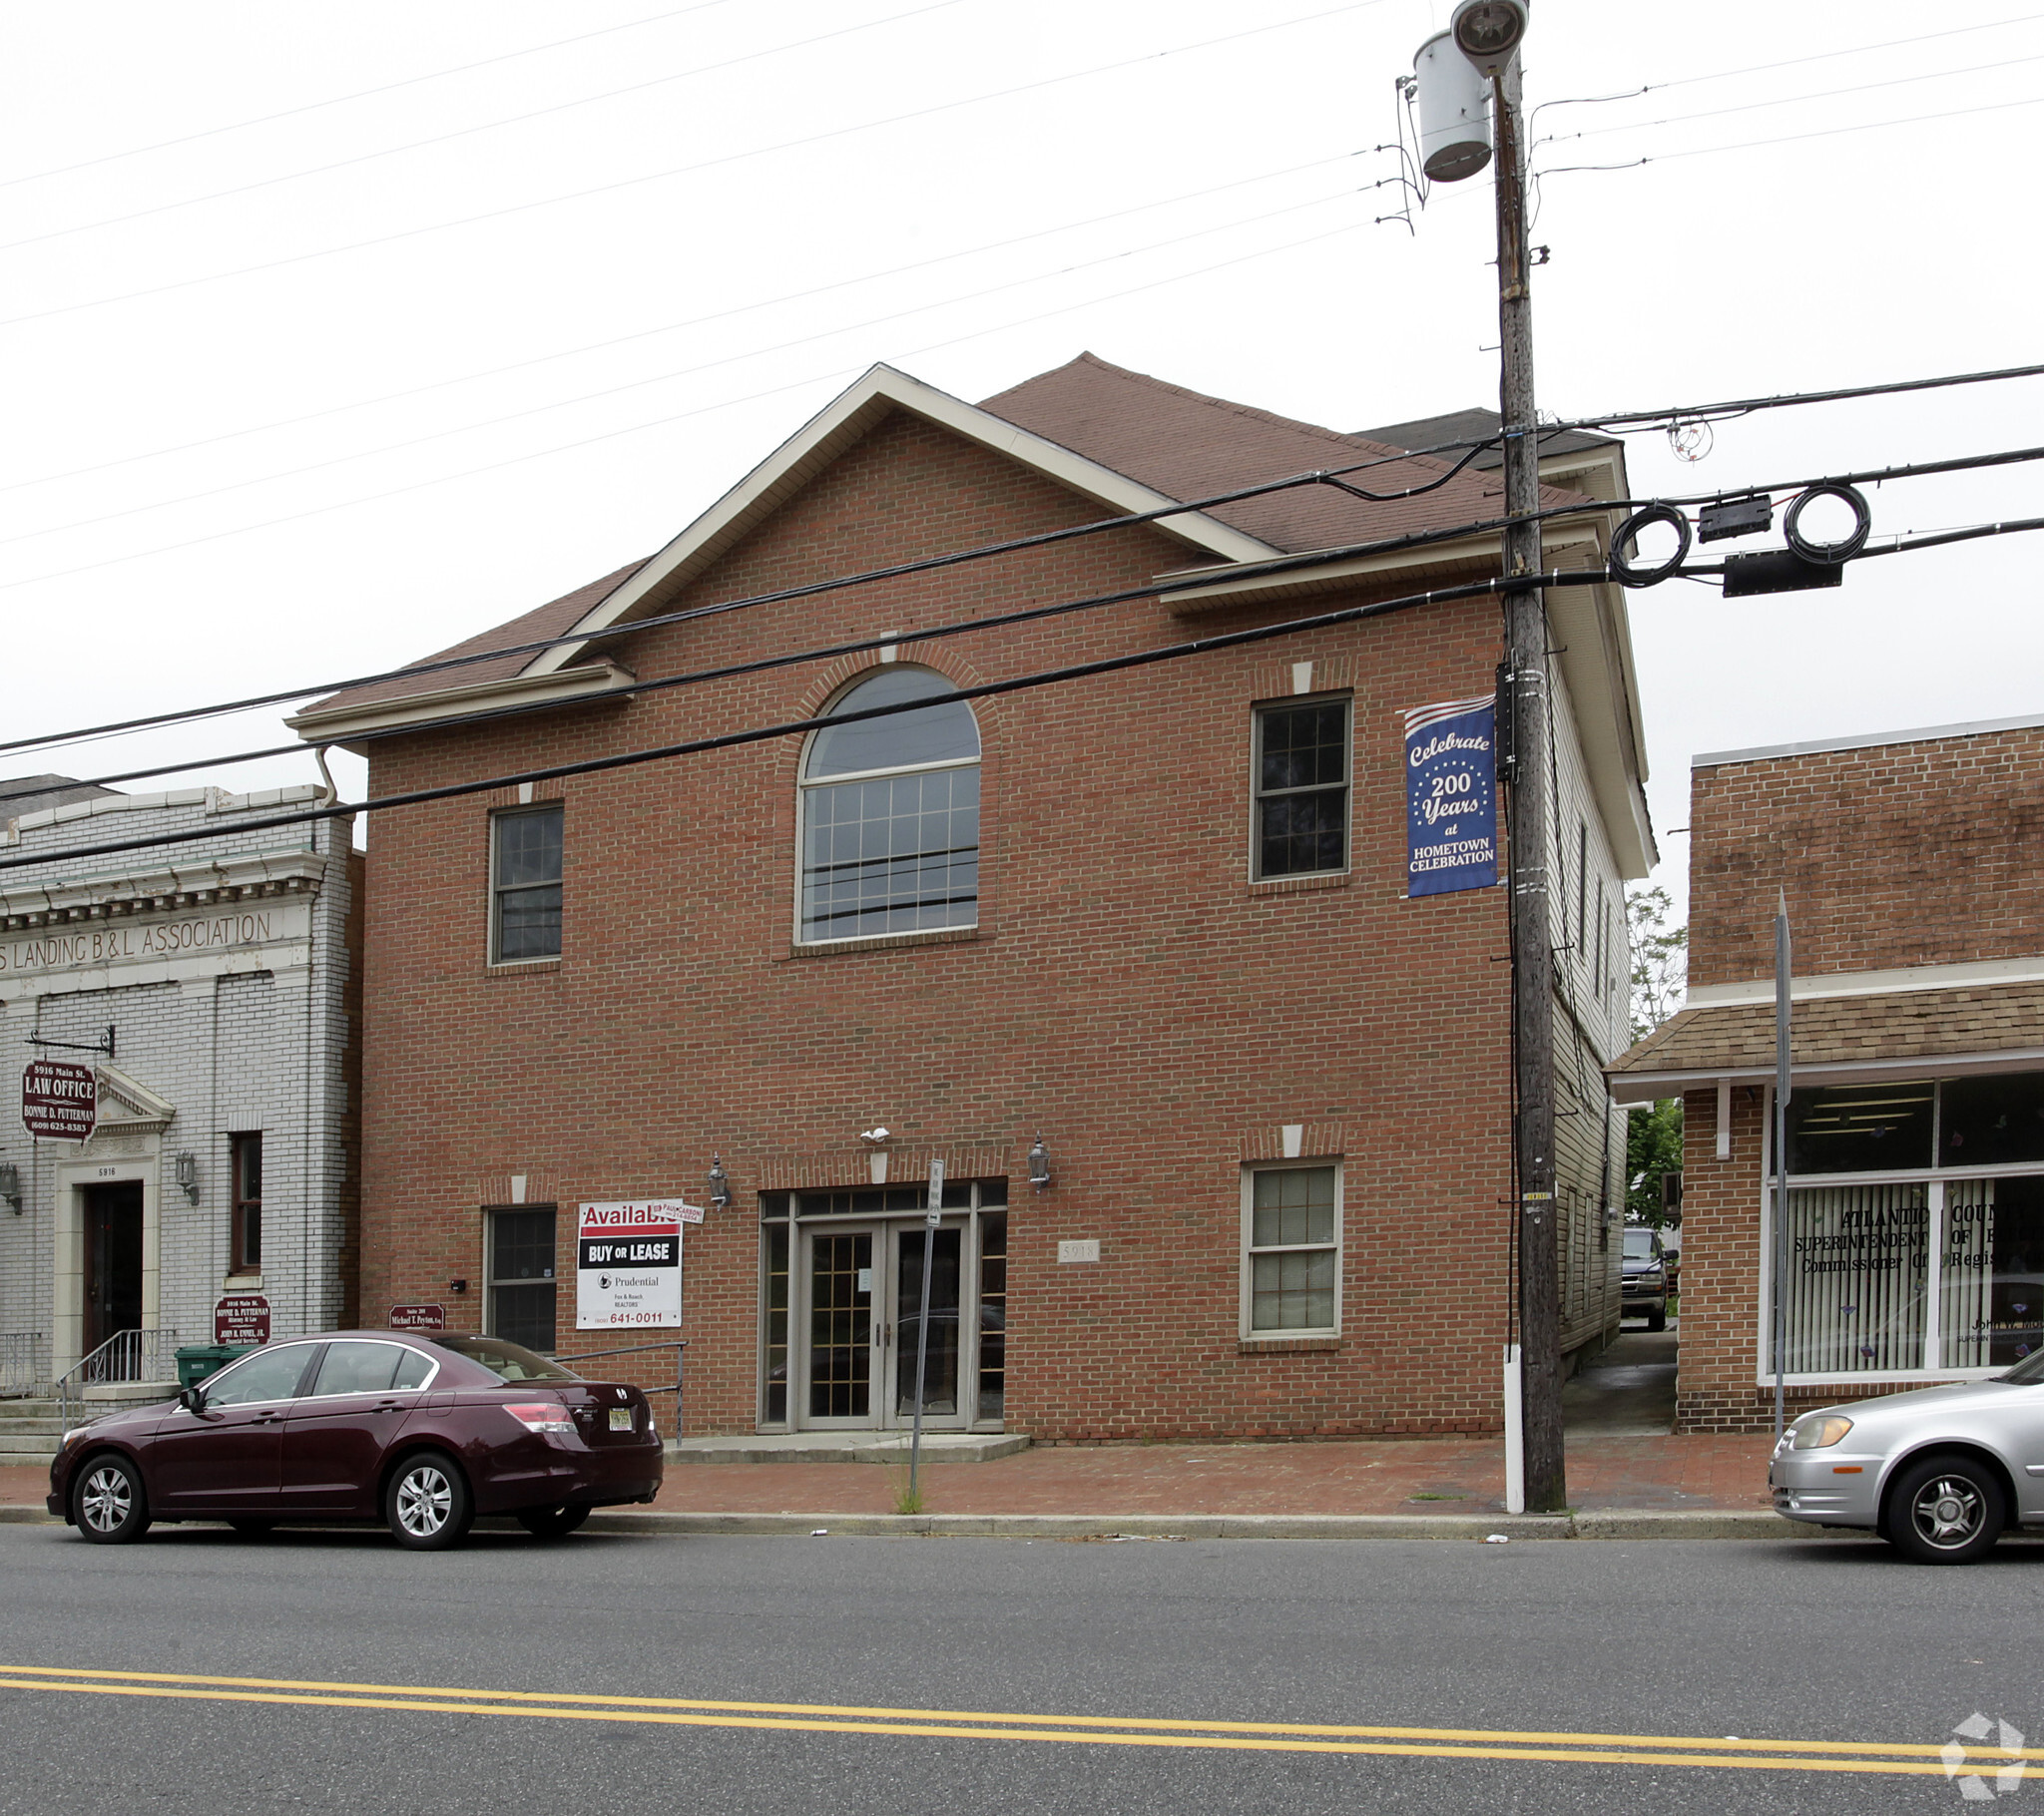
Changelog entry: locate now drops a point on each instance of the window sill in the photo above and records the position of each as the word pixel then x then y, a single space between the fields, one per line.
pixel 1289 1346
pixel 880 942
pixel 513 968
pixel 1298 885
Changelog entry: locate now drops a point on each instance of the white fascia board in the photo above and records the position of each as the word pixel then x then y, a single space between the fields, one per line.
pixel 837 427
pixel 1973 974
pixel 1650 1086
pixel 337 725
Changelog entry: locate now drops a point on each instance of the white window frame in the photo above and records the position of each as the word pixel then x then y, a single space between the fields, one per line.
pixel 1257 712
pixel 1933 1178
pixel 804 784
pixel 494 929
pixel 490 1282
pixel 1245 1323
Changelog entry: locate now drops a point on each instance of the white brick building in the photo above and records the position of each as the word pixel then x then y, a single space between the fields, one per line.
pixel 224 1161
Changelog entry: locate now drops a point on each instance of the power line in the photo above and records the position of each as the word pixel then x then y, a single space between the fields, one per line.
pixel 487 126
pixel 656 422
pixel 1045 677
pixel 1276 564
pixel 682 169
pixel 313 107
pixel 708 366
pixel 675 327
pixel 1619 420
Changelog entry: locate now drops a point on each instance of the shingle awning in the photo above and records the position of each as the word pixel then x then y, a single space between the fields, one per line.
pixel 1982 1028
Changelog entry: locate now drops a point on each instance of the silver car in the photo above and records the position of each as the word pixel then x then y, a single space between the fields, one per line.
pixel 1939 1472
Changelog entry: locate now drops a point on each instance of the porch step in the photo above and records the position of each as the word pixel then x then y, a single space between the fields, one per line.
pixel 846 1447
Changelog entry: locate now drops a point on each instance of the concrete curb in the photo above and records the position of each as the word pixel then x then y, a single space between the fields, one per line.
pixel 1624 1524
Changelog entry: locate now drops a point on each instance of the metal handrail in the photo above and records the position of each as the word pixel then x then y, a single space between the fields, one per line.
pixel 24 1364
pixel 640 1349
pixel 125 1356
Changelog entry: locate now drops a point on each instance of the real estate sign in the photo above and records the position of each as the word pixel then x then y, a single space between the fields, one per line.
pixel 1451 796
pixel 627 1265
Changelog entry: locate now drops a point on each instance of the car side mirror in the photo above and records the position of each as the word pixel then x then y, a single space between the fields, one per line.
pixel 192 1399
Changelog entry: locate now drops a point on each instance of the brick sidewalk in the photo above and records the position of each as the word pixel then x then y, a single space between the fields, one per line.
pixel 1402 1476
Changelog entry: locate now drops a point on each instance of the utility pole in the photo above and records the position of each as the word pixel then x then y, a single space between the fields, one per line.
pixel 1531 836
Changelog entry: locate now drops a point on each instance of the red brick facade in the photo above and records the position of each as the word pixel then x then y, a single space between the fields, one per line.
pixel 1894 856
pixel 1129 992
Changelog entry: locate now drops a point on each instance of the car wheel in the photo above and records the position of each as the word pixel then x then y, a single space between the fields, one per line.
pixel 108 1503
pixel 253 1528
pixel 1945 1509
pixel 427 1503
pixel 553 1522
pixel 1658 1320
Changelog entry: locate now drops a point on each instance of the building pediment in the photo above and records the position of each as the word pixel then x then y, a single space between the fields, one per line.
pixel 128 1106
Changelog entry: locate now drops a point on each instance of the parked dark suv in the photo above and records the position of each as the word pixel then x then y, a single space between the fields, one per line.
pixel 423 1432
pixel 1643 1290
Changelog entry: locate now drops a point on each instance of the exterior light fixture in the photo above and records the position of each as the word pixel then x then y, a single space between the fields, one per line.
pixel 720 1184
pixel 187 1174
pixel 1039 1165
pixel 10 1185
pixel 1489 32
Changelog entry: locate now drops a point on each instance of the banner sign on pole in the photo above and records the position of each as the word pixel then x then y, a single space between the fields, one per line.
pixel 1451 796
pixel 59 1100
pixel 627 1265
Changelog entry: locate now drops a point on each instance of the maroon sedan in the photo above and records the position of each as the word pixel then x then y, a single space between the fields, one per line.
pixel 423 1432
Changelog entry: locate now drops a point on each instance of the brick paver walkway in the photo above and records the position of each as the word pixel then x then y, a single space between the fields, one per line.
pixel 1373 1476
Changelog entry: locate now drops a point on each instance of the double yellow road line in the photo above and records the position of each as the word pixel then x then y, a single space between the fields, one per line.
pixel 1862 1756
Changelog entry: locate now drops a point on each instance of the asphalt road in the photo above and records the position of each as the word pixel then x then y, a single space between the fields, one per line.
pixel 1828 1642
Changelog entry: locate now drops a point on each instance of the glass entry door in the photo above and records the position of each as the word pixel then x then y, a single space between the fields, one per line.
pixel 944 1362
pixel 843 1331
pixel 864 1298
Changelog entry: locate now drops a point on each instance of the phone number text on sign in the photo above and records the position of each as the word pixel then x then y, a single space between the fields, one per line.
pixel 627 1265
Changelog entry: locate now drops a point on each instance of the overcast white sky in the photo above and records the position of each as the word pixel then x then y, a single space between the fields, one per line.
pixel 247 449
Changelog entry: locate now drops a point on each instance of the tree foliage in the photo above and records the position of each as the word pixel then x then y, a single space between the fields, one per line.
pixel 1660 976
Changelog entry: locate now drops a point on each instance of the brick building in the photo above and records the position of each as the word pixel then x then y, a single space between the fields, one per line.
pixel 221 975
pixel 1156 918
pixel 1917 1110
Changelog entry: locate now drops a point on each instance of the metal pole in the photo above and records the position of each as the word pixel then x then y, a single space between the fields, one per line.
pixel 1526 655
pixel 930 1216
pixel 1783 971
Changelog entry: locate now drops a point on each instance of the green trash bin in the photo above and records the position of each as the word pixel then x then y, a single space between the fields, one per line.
pixel 197 1360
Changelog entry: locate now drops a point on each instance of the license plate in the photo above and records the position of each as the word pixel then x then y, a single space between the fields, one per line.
pixel 621 1418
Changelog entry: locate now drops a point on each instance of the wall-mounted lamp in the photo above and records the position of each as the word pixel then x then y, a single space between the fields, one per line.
pixel 187 1175
pixel 1039 1165
pixel 457 1286
pixel 10 1185
pixel 720 1184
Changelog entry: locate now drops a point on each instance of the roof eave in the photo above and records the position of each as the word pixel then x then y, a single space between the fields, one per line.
pixel 337 725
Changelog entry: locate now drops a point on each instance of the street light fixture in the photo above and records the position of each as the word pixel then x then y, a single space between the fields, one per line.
pixel 1489 32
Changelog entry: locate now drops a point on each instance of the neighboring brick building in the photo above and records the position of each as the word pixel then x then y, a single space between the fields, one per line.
pixel 1272 1091
pixel 1916 1115
pixel 226 969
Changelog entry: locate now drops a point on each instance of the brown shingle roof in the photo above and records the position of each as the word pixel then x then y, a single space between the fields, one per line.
pixel 1717 1038
pixel 1186 444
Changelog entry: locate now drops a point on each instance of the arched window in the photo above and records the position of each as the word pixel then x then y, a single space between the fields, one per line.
pixel 891 814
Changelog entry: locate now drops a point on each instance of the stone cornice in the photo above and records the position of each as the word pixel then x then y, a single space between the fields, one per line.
pixel 172 886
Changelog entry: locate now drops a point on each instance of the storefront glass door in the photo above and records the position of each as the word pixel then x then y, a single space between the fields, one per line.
pixel 841 1330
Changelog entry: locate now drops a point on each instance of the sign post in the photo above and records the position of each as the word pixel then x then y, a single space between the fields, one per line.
pixel 60 1100
pixel 930 1218
pixel 1784 970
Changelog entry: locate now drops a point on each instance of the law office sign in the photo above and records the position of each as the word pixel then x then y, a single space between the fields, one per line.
pixel 60 1100
pixel 1451 796
pixel 627 1265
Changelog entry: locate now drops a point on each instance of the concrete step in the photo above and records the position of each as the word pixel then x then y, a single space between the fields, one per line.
pixel 846 1447
pixel 11 1429
pixel 17 1456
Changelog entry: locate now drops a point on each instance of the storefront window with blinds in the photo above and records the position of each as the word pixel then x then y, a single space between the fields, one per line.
pixel 1938 1271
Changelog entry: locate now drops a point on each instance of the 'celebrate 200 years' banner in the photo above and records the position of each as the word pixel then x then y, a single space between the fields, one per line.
pixel 1451 796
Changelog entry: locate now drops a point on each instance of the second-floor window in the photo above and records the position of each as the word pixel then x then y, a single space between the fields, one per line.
pixel 525 885
pixel 1302 794
pixel 891 814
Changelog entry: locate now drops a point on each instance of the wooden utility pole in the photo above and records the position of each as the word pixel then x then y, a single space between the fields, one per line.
pixel 1531 836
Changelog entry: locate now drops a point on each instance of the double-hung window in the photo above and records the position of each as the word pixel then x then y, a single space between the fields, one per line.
pixel 521 1277
pixel 245 1237
pixel 525 885
pixel 1292 1252
pixel 1302 788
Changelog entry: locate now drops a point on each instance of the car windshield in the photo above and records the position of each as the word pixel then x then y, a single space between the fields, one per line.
pixel 507 1361
pixel 2030 1368
pixel 1639 1245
